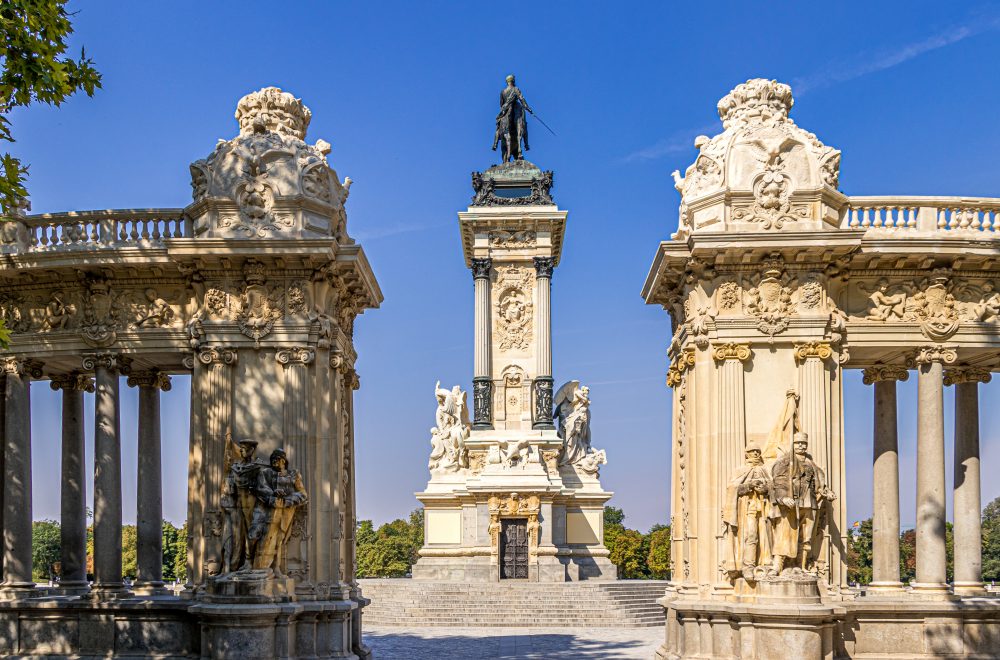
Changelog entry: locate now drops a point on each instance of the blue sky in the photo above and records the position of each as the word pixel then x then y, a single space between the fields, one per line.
pixel 406 93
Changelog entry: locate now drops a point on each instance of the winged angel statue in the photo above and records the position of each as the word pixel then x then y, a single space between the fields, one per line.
pixel 572 408
pixel 448 452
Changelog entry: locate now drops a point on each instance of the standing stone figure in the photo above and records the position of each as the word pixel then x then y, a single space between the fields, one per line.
pixel 512 125
pixel 279 494
pixel 238 502
pixel 448 438
pixel 572 407
pixel 747 533
pixel 797 493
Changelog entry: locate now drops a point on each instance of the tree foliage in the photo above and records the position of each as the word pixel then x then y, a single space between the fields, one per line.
pixel 658 559
pixel 46 551
pixel 34 69
pixel 392 549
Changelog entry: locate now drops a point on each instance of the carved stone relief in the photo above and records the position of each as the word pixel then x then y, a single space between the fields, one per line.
pixel 514 307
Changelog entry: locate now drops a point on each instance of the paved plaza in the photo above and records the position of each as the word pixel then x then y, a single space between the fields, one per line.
pixel 397 643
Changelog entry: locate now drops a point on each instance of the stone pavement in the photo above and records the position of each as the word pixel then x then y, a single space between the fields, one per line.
pixel 398 643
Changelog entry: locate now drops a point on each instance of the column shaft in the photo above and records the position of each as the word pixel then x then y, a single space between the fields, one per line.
pixel 967 504
pixel 481 357
pixel 73 491
pixel 543 357
pixel 885 487
pixel 107 477
pixel 149 485
pixel 931 574
pixel 17 543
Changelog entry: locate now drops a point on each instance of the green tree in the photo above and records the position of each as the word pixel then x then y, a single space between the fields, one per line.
pixel 908 555
pixel 33 69
pixel 392 549
pixel 180 553
pixel 130 551
pixel 859 552
pixel 627 555
pixel 174 551
pixel 46 550
pixel 613 517
pixel 991 541
pixel 658 559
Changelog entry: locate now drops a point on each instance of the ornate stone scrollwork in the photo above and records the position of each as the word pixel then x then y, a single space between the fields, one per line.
pixel 514 315
pixel 512 239
pixel 18 366
pixel 515 505
pixel 151 378
pixel 217 355
pixel 684 361
pixel 731 351
pixel 771 299
pixel 880 372
pixel 295 355
pixel 260 306
pixel 958 375
pixel 111 361
pixel 813 349
pixel 928 354
pixel 71 381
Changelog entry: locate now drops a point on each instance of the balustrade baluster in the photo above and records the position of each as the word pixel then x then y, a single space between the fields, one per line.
pixel 145 229
pixel 156 229
pixel 866 220
pixel 995 225
pixel 134 234
pixel 853 221
pixel 911 218
pixel 93 231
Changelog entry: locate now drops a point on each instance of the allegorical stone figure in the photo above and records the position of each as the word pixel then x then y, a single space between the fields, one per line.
pixel 238 502
pixel 512 124
pixel 797 493
pixel 280 493
pixel 572 407
pixel 747 533
pixel 448 452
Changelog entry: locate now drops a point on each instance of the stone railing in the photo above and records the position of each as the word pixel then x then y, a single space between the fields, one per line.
pixel 96 229
pixel 979 215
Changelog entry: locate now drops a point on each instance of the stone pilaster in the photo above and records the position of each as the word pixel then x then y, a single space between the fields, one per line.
pixel 296 439
pixel 211 424
pixel 482 381
pixel 352 383
pixel 931 575
pixel 73 489
pixel 543 383
pixel 17 546
pixel 967 499
pixel 149 485
pixel 885 478
pixel 107 473
pixel 333 466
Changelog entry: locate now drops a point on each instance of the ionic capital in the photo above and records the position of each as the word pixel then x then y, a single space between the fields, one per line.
pixel 731 351
pixel 813 349
pixel 683 362
pixel 544 266
pixel 151 378
pixel 930 354
pixel 481 268
pixel 217 355
pixel 339 363
pixel 967 375
pixel 881 372
pixel 114 362
pixel 73 381
pixel 295 355
pixel 19 366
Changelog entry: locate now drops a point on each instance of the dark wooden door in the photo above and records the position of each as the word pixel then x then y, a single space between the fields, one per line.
pixel 514 549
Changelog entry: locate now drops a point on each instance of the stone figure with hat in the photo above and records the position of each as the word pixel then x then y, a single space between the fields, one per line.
pixel 238 503
pixel 280 495
pixel 747 532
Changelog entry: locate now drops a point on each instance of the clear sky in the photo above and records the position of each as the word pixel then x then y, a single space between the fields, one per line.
pixel 406 93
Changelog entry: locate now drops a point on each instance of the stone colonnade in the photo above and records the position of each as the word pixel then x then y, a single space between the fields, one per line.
pixel 934 372
pixel 106 367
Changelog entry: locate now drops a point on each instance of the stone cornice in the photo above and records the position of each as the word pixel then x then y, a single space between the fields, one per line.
pixel 883 372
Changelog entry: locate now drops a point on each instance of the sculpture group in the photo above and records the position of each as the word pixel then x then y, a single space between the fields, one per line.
pixel 260 501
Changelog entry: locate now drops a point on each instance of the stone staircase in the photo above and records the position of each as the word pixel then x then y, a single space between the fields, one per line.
pixel 416 603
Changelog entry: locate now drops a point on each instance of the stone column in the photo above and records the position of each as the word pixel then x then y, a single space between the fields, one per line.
pixel 482 381
pixel 542 384
pixel 17 580
pixel 73 492
pixel 334 466
pixel 967 504
pixel 296 431
pixel 149 488
pixel 107 473
pixel 931 574
pixel 885 478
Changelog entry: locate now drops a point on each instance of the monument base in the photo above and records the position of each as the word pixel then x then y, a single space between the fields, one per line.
pixel 779 626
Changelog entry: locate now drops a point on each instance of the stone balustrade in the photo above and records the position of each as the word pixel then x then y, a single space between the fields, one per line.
pixel 923 213
pixel 95 229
